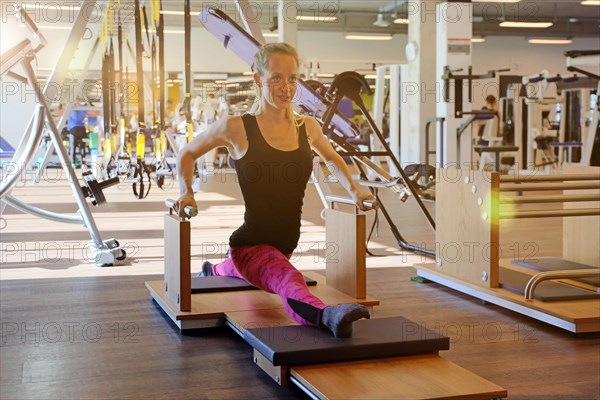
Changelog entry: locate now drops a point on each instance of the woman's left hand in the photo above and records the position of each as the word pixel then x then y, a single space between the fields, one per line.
pixel 359 196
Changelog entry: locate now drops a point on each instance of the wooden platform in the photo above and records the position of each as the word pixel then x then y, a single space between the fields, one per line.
pixel 426 376
pixel 574 315
pixel 410 377
pixel 210 309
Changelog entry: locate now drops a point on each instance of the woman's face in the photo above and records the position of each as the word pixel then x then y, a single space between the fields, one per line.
pixel 280 80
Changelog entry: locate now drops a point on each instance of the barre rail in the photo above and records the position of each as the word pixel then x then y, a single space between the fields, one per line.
pixel 550 199
pixel 553 275
pixel 369 204
pixel 575 212
pixel 523 187
pixel 548 178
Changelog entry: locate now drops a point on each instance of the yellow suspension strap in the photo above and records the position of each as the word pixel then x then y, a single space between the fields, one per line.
pixel 141 176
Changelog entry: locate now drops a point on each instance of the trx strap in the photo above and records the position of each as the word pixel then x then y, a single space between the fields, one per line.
pixel 139 49
pixel 163 169
pixel 112 88
pixel 188 71
pixel 105 95
pixel 140 168
pixel 153 84
pixel 161 68
pixel 146 25
pixel 122 79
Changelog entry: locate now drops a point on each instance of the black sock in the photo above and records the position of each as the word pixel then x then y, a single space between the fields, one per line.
pixel 205 270
pixel 339 318
pixel 336 319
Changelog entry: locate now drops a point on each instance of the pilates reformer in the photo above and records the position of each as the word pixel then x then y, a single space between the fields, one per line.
pixel 394 352
pixel 468 239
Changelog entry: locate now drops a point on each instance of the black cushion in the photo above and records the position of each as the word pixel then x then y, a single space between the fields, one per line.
pixel 372 338
pixel 209 284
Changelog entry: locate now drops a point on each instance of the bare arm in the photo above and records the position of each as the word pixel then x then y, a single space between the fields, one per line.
pixel 217 135
pixel 334 161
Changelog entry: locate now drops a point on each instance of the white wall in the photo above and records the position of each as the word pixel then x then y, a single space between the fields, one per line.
pixel 333 52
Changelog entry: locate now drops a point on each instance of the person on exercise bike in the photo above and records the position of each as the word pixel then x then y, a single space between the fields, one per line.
pixel 272 148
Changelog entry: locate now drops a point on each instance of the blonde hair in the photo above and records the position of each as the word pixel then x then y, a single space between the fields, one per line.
pixel 260 66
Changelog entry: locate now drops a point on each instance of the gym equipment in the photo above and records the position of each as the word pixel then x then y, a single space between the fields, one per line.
pixel 349 85
pixel 277 355
pixel 379 349
pixel 558 264
pixel 397 353
pixel 468 239
pixel 93 188
pixel 521 283
pixel 107 252
pixel 577 61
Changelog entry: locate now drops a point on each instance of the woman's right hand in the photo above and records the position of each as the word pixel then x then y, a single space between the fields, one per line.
pixel 183 202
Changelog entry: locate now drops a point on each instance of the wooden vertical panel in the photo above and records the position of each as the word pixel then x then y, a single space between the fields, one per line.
pixel 346 252
pixel 582 234
pixel 178 278
pixel 467 225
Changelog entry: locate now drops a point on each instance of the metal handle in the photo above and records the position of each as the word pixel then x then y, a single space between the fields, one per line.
pixel 552 275
pixel 189 210
pixel 369 204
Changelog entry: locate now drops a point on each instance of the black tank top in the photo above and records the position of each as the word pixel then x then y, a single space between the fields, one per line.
pixel 273 183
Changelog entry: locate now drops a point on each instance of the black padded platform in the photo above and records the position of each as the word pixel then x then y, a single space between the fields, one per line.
pixel 372 338
pixel 210 284
pixel 515 281
pixel 558 264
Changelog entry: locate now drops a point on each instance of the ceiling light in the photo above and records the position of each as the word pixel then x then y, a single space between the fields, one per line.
pixel 364 36
pixel 316 18
pixel 375 77
pixel 51 6
pixel 381 22
pixel 550 41
pixel 516 24
pixel 401 21
pixel 325 75
pixel 477 40
pixel 168 12
pixel 590 3
pixel 247 73
pixel 168 31
pixel 270 34
pixel 497 1
pixel 52 27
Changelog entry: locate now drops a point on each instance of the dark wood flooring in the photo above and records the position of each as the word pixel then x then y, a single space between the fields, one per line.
pixel 103 337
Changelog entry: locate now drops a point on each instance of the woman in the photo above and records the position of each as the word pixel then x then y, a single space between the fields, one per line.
pixel 272 151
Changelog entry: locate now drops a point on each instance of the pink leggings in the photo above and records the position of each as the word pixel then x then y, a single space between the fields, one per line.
pixel 268 269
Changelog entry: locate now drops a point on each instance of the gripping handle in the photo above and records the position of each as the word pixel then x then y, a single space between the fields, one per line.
pixel 369 204
pixel 191 211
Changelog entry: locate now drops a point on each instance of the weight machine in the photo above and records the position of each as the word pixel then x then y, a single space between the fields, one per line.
pixel 107 252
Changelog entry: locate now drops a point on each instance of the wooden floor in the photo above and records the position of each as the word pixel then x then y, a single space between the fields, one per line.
pixel 71 330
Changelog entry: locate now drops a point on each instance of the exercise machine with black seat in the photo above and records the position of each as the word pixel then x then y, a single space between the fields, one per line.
pixel 382 359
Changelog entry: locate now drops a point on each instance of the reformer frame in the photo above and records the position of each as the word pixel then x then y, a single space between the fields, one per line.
pixel 468 237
